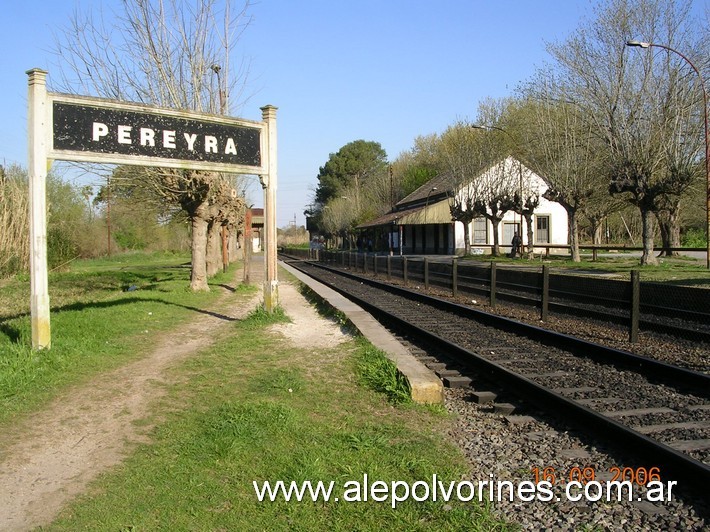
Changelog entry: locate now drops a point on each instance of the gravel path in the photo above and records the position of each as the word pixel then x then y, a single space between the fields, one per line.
pixel 512 448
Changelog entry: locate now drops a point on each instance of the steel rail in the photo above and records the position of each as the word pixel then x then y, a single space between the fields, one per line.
pixel 678 465
pixel 660 370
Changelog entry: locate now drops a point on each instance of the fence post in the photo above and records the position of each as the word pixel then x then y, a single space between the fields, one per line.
pixel 374 265
pixel 426 273
pixel 493 285
pixel 635 306
pixel 545 302
pixel 455 276
pixel 389 267
pixel 405 274
pixel 364 263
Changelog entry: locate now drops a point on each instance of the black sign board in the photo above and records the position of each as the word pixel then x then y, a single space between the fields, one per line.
pixel 106 130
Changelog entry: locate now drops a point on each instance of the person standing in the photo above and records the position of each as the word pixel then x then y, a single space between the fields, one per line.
pixel 515 245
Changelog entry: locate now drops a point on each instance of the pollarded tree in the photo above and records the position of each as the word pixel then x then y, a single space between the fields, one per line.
pixel 463 154
pixel 228 216
pixel 632 99
pixel 137 217
pixel 494 196
pixel 563 150
pixel 504 121
pixel 162 52
pixel 485 180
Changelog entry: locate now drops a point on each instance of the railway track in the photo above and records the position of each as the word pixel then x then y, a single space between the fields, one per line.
pixel 607 300
pixel 659 410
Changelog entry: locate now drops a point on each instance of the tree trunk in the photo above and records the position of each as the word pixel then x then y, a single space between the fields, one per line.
pixel 668 224
pixel 529 254
pixel 233 245
pixel 213 248
pixel 495 222
pixel 647 259
pixel 595 227
pixel 597 234
pixel 466 239
pixel 573 228
pixel 198 276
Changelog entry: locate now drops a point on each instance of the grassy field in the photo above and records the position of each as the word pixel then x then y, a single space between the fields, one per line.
pixel 101 313
pixel 676 270
pixel 252 407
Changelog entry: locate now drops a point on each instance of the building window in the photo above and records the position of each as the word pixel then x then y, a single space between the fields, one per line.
pixel 542 234
pixel 480 231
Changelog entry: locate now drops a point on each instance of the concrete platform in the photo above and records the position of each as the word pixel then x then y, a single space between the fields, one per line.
pixel 426 387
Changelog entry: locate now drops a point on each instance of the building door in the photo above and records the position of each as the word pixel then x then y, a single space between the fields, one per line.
pixel 509 229
pixel 542 226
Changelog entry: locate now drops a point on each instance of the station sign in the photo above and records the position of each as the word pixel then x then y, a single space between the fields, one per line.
pixel 96 130
pixel 105 131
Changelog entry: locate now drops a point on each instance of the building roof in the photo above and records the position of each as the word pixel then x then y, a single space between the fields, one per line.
pixel 426 204
pixel 257 217
pixel 443 183
pixel 433 212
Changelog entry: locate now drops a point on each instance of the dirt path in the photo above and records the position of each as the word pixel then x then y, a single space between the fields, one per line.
pixel 57 452
pixel 88 429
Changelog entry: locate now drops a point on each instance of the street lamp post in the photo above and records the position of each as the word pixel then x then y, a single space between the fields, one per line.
pixel 640 44
pixel 222 107
pixel 426 208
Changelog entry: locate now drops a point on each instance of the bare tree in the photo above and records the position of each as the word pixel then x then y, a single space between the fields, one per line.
pixel 463 156
pixel 504 120
pixel 162 52
pixel 494 196
pixel 632 101
pixel 339 218
pixel 563 150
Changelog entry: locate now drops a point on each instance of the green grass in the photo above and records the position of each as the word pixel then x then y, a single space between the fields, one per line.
pixel 96 324
pixel 254 408
pixel 251 407
pixel 380 373
pixel 677 270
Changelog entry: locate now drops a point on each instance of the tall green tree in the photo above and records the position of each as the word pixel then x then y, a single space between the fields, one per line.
pixel 353 165
pixel 354 185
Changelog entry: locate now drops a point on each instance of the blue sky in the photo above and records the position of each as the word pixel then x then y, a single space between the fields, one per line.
pixel 338 70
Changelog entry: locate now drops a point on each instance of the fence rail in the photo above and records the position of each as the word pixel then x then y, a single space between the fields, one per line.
pixel 629 302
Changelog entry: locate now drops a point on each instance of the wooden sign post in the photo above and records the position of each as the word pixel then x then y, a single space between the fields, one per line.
pixel 85 129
